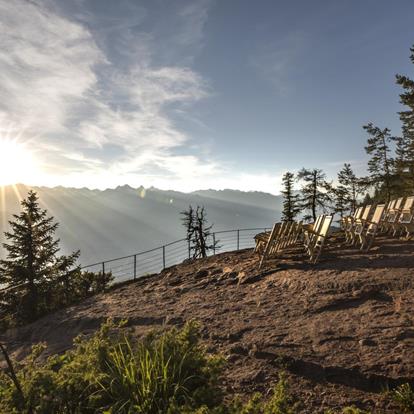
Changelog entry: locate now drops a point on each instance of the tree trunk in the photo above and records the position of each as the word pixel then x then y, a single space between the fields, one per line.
pixel 314 197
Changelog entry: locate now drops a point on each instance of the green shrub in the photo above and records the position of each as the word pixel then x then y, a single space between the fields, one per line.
pixel 348 410
pixel 404 397
pixel 280 402
pixel 168 370
pixel 110 373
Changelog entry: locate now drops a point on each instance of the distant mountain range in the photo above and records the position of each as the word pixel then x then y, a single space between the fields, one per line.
pixel 105 224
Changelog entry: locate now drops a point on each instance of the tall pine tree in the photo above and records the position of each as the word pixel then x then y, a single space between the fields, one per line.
pixel 32 264
pixel 314 192
pixel 349 189
pixel 405 144
pixel 380 166
pixel 341 200
pixel 291 206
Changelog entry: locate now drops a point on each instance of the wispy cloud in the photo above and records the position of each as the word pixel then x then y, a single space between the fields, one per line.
pixel 87 113
pixel 277 60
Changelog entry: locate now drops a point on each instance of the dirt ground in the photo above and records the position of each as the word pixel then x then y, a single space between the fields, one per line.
pixel 342 330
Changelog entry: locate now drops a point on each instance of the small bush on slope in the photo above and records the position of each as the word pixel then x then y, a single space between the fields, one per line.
pixel 404 397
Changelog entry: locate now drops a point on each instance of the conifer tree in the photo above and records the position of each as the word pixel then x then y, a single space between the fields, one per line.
pixel 407 99
pixel 405 144
pixel 341 200
pixel 404 165
pixel 349 189
pixel 314 192
pixel 32 263
pixel 290 200
pixel 380 166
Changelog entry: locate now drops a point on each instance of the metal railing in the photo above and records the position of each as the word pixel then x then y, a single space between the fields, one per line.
pixel 156 259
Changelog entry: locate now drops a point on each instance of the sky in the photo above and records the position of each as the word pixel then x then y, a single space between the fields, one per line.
pixel 196 94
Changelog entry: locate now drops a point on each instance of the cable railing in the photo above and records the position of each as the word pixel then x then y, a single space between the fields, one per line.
pixel 154 260
pixel 159 258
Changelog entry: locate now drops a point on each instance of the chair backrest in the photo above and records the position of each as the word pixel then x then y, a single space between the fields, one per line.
pixel 281 229
pixel 398 203
pixel 391 205
pixel 366 212
pixel 326 225
pixel 358 213
pixel 274 233
pixel 318 223
pixel 324 228
pixel 409 203
pixel 376 218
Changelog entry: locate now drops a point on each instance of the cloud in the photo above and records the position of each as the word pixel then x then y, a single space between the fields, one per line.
pixel 46 65
pixel 88 112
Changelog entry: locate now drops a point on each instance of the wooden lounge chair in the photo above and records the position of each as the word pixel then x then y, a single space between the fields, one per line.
pixel 349 223
pixel 405 222
pixel 296 233
pixel 310 232
pixel 318 241
pixel 367 236
pixel 271 244
pixel 290 234
pixel 392 215
pixel 346 220
pixel 283 235
pixel 390 206
pixel 283 238
pixel 359 224
pixel 261 239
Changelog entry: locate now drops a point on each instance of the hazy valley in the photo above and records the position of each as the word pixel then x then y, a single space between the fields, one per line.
pixel 116 222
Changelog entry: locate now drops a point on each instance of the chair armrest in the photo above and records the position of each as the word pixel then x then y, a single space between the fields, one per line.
pixel 313 232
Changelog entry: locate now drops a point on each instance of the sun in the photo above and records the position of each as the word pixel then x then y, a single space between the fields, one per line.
pixel 16 162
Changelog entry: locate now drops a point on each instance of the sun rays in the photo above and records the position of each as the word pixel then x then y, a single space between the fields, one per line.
pixel 17 164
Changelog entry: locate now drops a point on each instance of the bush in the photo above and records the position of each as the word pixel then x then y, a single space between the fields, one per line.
pixel 65 290
pixel 404 397
pixel 110 373
pixel 280 402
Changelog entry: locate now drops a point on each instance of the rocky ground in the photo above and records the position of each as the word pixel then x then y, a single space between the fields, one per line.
pixel 343 329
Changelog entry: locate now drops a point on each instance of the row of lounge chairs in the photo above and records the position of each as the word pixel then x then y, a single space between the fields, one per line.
pixel 396 218
pixel 286 234
pixel 360 229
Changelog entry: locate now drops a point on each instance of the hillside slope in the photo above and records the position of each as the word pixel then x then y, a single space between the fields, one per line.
pixel 343 329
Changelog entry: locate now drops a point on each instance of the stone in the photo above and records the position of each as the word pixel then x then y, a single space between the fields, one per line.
pixel 202 273
pixel 367 342
pixel 238 349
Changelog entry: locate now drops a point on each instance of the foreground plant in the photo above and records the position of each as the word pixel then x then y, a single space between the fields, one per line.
pixel 111 373
pixel 404 397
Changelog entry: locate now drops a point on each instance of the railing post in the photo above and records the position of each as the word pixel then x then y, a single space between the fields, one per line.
pixel 214 243
pixel 103 268
pixel 135 266
pixel 238 239
pixel 163 257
